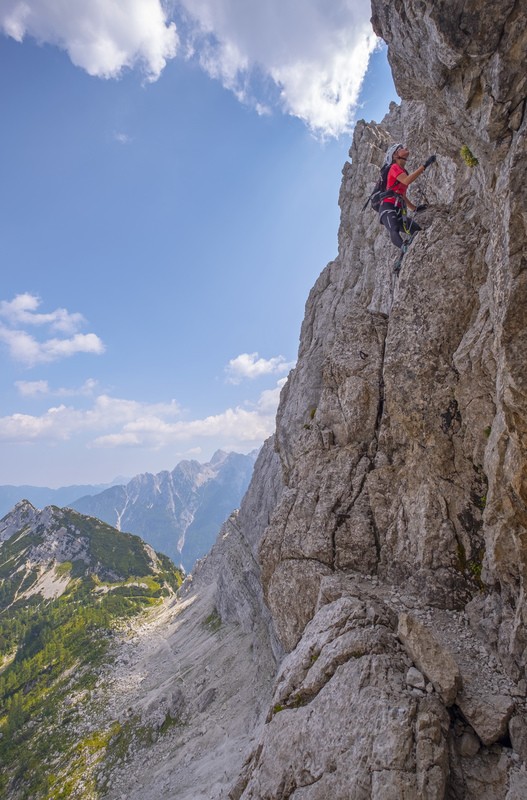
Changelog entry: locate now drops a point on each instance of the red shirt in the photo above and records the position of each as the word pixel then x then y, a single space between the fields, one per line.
pixel 393 185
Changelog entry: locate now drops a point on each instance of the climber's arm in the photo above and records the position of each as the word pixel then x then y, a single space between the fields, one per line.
pixel 408 179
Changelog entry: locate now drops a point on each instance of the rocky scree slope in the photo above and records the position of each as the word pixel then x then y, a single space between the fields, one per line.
pixel 395 558
pixel 198 674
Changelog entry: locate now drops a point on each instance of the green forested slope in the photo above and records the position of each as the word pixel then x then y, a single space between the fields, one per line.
pixel 52 650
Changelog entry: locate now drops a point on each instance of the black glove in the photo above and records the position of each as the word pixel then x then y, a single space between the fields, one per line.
pixel 422 207
pixel 429 160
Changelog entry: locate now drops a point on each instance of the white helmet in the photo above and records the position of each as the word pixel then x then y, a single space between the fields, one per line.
pixel 390 153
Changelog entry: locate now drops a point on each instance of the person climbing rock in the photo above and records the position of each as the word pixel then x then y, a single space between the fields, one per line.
pixel 392 210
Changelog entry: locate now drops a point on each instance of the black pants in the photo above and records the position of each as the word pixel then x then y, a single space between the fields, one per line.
pixel 396 223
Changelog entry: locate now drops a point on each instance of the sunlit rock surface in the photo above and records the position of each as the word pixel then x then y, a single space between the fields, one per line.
pixel 398 546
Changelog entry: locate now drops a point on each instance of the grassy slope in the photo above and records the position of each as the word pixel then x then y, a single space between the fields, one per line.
pixel 53 652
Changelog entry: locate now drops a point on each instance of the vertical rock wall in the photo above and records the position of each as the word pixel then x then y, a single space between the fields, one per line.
pixel 395 561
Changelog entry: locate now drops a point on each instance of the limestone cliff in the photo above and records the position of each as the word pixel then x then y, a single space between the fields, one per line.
pixel 394 563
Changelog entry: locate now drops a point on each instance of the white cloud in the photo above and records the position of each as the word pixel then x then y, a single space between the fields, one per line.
pixel 101 36
pixel 122 138
pixel 239 426
pixel 310 56
pixel 63 422
pixel 316 52
pixel 26 349
pixel 86 390
pixel 250 365
pixel 115 423
pixel 269 399
pixel 34 388
pixel 23 311
pixel 234 424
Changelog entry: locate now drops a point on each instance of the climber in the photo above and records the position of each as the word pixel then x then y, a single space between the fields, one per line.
pixel 392 210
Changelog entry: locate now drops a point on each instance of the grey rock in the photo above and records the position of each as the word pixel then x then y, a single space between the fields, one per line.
pixel 517 785
pixel 469 744
pixel 415 678
pixel 400 435
pixel 346 660
pixel 518 734
pixel 488 714
pixel 207 698
pixel 431 658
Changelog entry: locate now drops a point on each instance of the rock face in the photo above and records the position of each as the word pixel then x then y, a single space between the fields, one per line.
pixel 397 544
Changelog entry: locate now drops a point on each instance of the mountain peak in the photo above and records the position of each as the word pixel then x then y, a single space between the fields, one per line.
pixel 218 457
pixel 22 515
pixel 24 505
pixel 178 512
pixel 32 540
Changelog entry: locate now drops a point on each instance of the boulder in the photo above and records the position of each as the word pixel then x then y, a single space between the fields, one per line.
pixel 430 657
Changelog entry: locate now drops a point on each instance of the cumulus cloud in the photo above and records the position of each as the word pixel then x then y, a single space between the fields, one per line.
pixel 250 365
pixel 269 399
pixel 234 424
pixel 115 423
pixel 315 53
pixel 101 36
pixel 22 310
pixel 32 388
pixel 241 426
pixel 26 348
pixel 62 422
pixel 309 56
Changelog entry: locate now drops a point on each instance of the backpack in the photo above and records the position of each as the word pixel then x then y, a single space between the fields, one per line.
pixel 379 190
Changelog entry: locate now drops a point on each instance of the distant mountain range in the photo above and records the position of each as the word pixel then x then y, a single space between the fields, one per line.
pixel 179 513
pixel 41 496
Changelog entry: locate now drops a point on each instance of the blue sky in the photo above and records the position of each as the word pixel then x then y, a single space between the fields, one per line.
pixel 168 196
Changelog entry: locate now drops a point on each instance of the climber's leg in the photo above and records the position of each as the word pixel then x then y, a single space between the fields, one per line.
pixel 391 219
